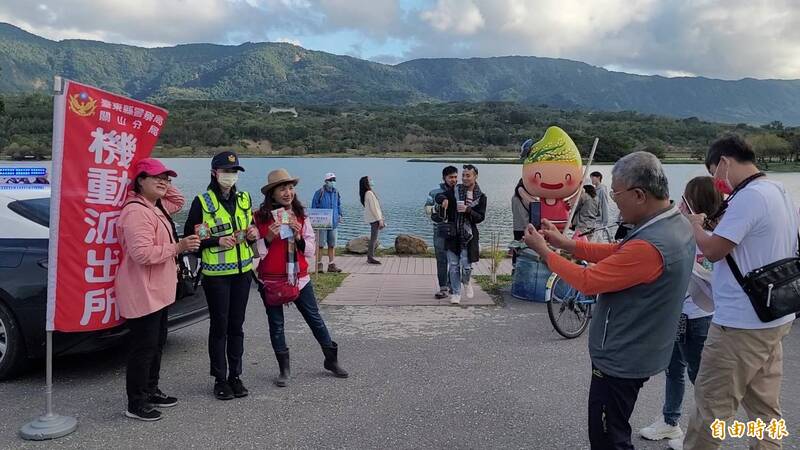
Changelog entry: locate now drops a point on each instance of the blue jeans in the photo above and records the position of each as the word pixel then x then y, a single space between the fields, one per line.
pixel 306 303
pixel 327 238
pixel 460 270
pixel 684 354
pixel 441 258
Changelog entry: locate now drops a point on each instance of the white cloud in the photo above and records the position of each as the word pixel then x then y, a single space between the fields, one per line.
pixel 377 17
pixel 460 17
pixel 290 41
pixel 716 38
pixel 155 22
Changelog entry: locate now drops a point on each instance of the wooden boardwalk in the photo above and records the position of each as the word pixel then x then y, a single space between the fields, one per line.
pixel 400 281
pixel 401 265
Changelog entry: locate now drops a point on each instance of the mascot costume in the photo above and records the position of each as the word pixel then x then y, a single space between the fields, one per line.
pixel 551 173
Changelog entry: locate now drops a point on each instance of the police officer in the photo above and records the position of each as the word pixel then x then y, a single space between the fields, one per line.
pixel 222 217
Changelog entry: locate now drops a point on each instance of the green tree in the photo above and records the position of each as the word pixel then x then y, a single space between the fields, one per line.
pixel 769 146
pixel 491 153
pixel 775 125
pixel 656 150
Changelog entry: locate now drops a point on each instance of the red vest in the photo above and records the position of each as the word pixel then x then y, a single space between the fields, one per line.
pixel 275 262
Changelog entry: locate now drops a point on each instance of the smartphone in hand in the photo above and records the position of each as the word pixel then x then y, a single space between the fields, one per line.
pixel 688 206
pixel 535 218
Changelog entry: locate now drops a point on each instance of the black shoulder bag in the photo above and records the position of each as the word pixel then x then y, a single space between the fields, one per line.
pixel 188 276
pixel 448 228
pixel 774 289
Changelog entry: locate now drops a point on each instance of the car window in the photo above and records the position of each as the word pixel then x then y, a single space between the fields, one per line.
pixel 35 209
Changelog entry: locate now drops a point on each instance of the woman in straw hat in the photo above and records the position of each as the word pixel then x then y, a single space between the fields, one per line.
pixel 286 246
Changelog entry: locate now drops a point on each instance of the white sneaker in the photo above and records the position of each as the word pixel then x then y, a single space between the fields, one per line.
pixel 468 289
pixel 661 430
pixel 455 299
pixel 676 444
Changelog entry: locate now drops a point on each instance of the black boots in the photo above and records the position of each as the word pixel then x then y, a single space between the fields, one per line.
pixel 283 364
pixel 331 363
pixel 332 360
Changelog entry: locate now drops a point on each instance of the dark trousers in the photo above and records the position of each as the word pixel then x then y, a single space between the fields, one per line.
pixel 518 235
pixel 306 303
pixel 374 230
pixel 611 402
pixel 227 303
pixel 148 334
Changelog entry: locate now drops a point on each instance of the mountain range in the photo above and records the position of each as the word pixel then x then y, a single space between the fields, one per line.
pixel 286 74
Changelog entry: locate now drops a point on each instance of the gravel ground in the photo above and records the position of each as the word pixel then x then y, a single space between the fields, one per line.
pixel 421 377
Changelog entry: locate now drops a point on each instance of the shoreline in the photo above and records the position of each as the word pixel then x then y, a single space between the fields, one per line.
pixel 470 158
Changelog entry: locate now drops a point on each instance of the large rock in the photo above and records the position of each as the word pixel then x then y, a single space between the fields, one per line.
pixel 359 245
pixel 406 244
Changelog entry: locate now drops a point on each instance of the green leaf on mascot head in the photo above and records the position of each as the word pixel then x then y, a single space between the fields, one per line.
pixel 555 146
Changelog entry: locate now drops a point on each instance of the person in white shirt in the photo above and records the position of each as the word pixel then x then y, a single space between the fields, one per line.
pixel 373 215
pixel 700 197
pixel 742 362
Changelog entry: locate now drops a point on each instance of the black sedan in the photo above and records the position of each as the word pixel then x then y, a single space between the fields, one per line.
pixel 24 235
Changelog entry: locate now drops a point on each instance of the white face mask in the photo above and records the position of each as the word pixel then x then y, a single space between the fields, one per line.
pixel 227 180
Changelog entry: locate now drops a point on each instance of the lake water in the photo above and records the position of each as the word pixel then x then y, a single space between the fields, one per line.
pixel 402 188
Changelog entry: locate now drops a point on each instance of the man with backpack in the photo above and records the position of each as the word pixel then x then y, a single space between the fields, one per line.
pixel 437 215
pixel 756 240
pixel 327 197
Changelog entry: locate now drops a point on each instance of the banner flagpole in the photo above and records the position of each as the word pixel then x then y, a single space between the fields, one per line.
pixel 585 172
pixel 51 425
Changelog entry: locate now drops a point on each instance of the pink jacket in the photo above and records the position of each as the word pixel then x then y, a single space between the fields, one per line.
pixel 147 275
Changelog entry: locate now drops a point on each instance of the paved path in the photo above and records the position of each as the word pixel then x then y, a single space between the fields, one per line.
pixel 420 378
pixel 395 290
pixel 405 281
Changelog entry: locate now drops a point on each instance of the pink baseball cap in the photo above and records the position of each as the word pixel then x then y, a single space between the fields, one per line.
pixel 151 167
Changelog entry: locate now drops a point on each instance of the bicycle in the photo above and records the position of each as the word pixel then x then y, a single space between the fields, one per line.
pixel 568 309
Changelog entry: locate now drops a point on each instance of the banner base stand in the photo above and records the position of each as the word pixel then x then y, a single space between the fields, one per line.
pixel 49 426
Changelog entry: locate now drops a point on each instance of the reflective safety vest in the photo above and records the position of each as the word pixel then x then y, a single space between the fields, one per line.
pixel 239 259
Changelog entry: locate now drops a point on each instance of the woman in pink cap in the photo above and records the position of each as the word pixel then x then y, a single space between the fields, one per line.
pixel 146 280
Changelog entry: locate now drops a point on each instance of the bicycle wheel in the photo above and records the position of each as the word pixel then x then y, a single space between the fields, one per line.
pixel 567 308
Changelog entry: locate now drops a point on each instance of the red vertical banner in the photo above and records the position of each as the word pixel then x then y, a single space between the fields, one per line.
pixel 97 138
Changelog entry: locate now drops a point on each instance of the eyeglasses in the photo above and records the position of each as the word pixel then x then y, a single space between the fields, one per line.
pixel 164 178
pixel 470 167
pixel 613 194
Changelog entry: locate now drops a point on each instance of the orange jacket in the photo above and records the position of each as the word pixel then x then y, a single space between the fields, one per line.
pixel 618 266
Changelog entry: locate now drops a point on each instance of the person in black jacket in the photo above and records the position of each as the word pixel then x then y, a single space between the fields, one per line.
pixel 227 265
pixel 466 208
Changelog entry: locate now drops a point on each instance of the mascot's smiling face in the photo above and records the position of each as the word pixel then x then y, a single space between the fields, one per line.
pixel 552 167
pixel 551 179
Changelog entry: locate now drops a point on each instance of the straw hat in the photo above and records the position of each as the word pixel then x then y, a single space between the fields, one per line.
pixel 276 177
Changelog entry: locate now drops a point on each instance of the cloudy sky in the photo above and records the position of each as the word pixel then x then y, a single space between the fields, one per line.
pixel 727 39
